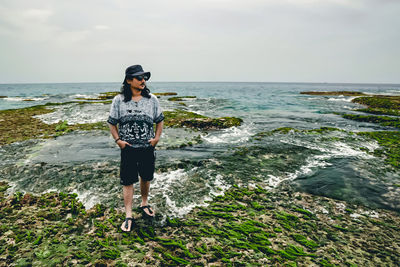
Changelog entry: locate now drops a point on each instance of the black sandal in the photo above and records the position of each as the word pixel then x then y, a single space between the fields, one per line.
pixel 144 214
pixel 127 224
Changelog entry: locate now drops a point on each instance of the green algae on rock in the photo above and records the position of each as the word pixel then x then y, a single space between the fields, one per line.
pixel 389 141
pixel 377 104
pixel 380 104
pixel 382 120
pixel 180 98
pixel 102 96
pixel 250 226
pixel 379 101
pixel 287 130
pixel 182 118
pixel 344 93
pixel 380 111
pixel 165 93
pixel 30 127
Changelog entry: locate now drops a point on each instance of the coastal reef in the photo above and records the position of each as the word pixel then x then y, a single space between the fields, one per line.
pixel 102 96
pixel 389 148
pixel 376 104
pixel 245 226
pixel 389 145
pixel 165 93
pixel 389 109
pixel 381 120
pixel 21 124
pixel 180 98
pixel 380 104
pixel 182 118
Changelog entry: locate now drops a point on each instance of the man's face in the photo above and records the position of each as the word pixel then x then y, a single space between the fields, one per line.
pixel 137 83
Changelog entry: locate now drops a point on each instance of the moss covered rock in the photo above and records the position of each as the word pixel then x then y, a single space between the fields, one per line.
pixel 20 124
pixel 180 98
pixel 382 120
pixel 165 93
pixel 250 226
pixel 182 118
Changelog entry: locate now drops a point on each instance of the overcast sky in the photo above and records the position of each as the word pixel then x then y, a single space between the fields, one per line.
pixel 201 40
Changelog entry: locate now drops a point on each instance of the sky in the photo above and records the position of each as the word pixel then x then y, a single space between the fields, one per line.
pixel 334 41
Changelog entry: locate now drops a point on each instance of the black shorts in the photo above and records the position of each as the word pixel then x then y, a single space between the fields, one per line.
pixel 135 162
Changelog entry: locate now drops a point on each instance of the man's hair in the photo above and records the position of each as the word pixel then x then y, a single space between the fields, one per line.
pixel 126 91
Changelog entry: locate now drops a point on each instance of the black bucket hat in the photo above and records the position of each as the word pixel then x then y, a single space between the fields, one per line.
pixel 136 70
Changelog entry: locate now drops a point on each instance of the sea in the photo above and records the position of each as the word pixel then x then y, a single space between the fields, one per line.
pixel 195 166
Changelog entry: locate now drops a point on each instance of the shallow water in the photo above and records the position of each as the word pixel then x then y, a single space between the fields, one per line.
pixel 332 164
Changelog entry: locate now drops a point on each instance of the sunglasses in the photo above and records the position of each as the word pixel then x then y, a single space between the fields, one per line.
pixel 141 77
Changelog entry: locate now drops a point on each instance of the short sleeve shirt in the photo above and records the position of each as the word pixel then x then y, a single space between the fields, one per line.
pixel 135 119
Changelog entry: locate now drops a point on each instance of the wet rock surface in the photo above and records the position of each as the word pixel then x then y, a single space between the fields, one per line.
pixel 55 119
pixel 244 226
pixel 231 203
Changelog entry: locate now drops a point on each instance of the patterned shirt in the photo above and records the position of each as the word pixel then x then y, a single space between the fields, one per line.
pixel 135 119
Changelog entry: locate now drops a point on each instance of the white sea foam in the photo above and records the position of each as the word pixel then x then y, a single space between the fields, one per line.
pixel 307 169
pixel 74 113
pixel 87 197
pixel 50 190
pixel 164 183
pixel 330 150
pixel 12 188
pixel 334 149
pixel 343 149
pixel 167 184
pixel 341 98
pixel 18 98
pixel 83 96
pixel 230 135
pixel 219 183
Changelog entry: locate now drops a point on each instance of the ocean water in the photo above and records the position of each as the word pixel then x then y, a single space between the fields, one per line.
pixel 333 164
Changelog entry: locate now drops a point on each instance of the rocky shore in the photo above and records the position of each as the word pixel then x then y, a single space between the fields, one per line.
pixel 389 107
pixel 244 226
pixel 30 127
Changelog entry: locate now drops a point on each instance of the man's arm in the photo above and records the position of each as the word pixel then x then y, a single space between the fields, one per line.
pixel 114 131
pixel 159 128
pixel 115 135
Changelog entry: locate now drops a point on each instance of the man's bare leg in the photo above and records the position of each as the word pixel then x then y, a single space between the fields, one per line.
pixel 128 195
pixel 144 190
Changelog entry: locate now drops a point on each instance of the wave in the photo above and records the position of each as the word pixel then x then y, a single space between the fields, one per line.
pixel 18 98
pixel 83 96
pixel 166 184
pixel 74 114
pixel 342 98
pixel 307 169
pixel 88 198
pixel 231 135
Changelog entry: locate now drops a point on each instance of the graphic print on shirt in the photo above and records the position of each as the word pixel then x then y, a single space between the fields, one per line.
pixel 135 119
pixel 136 130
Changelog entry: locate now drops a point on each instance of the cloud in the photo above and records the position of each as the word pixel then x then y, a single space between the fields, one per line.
pixel 102 27
pixel 36 15
pixel 277 40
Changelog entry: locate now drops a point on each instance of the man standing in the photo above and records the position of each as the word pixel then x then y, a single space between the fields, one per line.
pixel 135 111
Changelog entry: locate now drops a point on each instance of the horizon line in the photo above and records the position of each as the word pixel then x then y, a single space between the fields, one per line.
pixel 371 83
